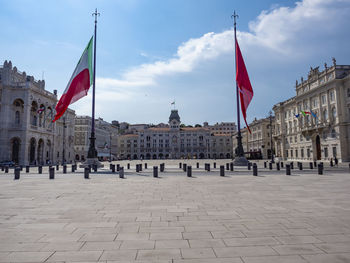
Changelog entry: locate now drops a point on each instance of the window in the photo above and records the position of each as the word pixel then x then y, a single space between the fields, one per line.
pixel 334 112
pixel 302 153
pixel 287 153
pixel 291 153
pixel 331 96
pixel 323 99
pixel 301 138
pixel 325 115
pixel 333 134
pixel 334 149
pixel 296 153
pixel 325 152
pixel 308 153
pixel 17 119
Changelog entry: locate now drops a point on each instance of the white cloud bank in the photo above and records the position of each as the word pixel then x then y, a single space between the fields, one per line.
pixel 280 34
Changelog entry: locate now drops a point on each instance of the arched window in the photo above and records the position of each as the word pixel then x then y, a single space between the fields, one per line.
pixel 334 112
pixel 17 117
pixel 325 115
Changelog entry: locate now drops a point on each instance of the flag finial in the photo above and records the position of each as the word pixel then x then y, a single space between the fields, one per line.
pixel 234 16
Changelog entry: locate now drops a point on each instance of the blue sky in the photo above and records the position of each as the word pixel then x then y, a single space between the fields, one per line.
pixel 150 52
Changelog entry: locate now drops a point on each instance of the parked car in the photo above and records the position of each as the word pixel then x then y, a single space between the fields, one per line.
pixel 7 163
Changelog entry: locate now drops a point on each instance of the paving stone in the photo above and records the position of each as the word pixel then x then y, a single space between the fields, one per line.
pixel 290 240
pixel 121 255
pixel 158 254
pixel 244 251
pixel 137 244
pixel 251 241
pixel 328 258
pixel 165 236
pixel 93 246
pixel 302 249
pixel 75 256
pixel 197 235
pixel 334 247
pixel 172 244
pixel 25 256
pixel 197 253
pixel 198 243
pixel 274 259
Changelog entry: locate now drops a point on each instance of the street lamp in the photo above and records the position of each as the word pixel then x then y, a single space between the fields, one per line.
pixel 271 149
pixel 110 147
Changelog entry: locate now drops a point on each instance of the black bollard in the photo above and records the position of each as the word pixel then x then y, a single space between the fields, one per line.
pixel 17 173
pixel 214 164
pixel 320 169
pixel 21 167
pixel 140 167
pixel 110 166
pixel 331 163
pixel 128 166
pixel 231 167
pixel 27 169
pixel 277 166
pixel 6 169
pixel 121 172
pixel 145 166
pixel 264 164
pixel 180 165
pixel 249 165
pixel 311 165
pixel 208 166
pixel 189 171
pixel 161 167
pixel 255 169
pixel 291 165
pixel 64 169
pixel 222 170
pixel 270 165
pixel 113 168
pixel 197 165
pixel 40 169
pixel 288 169
pixel 300 166
pixel 155 171
pixel 73 168
pixel 184 167
pixel 118 167
pixel 137 168
pixel 86 172
pixel 228 167
pixel 57 167
pixel 95 167
pixel 282 164
pixel 51 173
pixel 315 164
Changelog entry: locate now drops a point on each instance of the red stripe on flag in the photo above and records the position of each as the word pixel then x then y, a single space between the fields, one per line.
pixel 78 88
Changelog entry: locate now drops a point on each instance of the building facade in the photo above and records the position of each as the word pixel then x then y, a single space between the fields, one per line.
pixel 106 138
pixel 223 128
pixel 315 124
pixel 27 134
pixel 257 144
pixel 174 142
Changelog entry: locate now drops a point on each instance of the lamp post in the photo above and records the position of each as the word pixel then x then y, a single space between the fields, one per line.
pixel 271 148
pixel 110 147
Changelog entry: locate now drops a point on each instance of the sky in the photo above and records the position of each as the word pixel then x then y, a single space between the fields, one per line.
pixel 153 52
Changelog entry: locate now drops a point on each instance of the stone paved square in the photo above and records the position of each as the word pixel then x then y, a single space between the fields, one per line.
pixel 174 218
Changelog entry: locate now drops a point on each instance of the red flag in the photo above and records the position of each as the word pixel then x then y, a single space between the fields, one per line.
pixel 244 87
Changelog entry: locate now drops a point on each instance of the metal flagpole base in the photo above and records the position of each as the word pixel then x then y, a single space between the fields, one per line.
pixel 240 161
pixel 90 162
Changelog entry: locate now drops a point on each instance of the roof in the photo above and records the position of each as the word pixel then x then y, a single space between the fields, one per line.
pixel 158 129
pixel 174 115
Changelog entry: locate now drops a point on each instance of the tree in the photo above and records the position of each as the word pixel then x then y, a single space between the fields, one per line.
pixel 197 125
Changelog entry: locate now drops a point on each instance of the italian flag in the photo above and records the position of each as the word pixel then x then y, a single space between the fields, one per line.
pixel 79 84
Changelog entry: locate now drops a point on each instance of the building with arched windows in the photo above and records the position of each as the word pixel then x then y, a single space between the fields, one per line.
pixel 174 141
pixel 27 134
pixel 315 124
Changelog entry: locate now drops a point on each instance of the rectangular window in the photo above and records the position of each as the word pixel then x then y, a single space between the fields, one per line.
pixel 291 153
pixel 334 149
pixel 296 153
pixel 325 152
pixel 308 153
pixel 302 153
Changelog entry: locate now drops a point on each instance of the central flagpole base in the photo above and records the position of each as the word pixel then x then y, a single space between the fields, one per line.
pixel 240 161
pixel 91 162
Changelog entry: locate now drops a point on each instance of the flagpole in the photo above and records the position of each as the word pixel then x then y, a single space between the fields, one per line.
pixel 92 153
pixel 240 159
